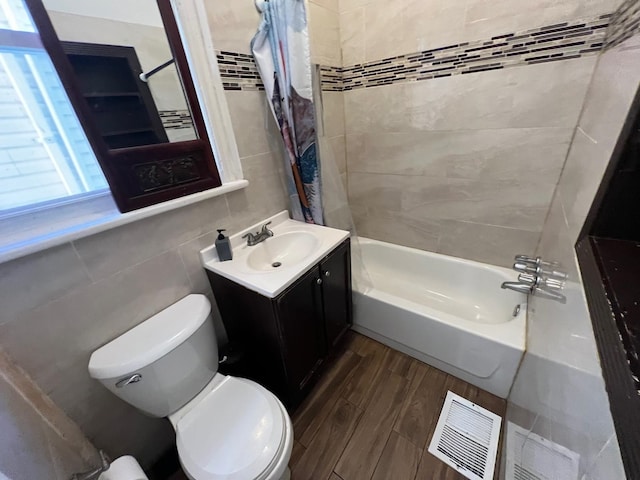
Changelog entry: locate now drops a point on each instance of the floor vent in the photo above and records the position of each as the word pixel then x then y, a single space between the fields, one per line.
pixel 466 438
pixel 532 457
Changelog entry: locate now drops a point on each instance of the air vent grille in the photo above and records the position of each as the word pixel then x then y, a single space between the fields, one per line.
pixel 466 438
pixel 520 473
pixel 532 457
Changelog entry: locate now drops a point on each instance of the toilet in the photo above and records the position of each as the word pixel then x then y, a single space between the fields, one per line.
pixel 226 428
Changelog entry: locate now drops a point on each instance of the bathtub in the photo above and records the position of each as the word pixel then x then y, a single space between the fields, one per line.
pixel 445 311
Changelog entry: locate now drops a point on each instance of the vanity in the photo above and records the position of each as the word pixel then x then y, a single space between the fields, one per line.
pixel 287 300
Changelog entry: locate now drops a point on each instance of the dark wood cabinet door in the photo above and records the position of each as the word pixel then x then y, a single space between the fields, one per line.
pixel 300 320
pixel 336 293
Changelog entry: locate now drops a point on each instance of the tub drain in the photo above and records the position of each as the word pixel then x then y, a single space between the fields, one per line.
pixel 276 264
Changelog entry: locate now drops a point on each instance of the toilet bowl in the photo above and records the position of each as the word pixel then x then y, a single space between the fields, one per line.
pixel 257 447
pixel 226 428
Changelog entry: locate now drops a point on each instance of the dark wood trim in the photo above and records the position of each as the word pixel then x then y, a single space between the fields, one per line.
pixel 16 39
pixel 182 64
pixel 624 400
pixel 616 156
pixel 131 57
pixel 119 165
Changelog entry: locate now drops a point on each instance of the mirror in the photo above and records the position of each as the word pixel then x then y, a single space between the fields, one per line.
pixel 124 69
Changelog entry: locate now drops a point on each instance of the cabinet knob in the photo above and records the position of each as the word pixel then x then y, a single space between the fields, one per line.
pixel 327 273
pixel 319 281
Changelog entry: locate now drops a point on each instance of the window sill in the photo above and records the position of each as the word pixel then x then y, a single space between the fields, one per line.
pixel 53 235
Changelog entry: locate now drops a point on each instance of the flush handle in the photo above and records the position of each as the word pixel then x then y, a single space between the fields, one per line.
pixel 135 378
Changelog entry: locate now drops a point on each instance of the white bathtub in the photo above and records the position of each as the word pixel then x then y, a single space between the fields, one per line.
pixel 445 311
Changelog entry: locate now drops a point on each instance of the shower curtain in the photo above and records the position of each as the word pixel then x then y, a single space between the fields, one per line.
pixel 281 50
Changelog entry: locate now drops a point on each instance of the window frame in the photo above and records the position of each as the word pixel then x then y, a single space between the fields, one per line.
pixel 119 166
pixel 46 227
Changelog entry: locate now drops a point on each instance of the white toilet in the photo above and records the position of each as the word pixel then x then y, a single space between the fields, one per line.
pixel 226 428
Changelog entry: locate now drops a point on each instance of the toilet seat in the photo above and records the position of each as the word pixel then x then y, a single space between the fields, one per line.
pixel 236 432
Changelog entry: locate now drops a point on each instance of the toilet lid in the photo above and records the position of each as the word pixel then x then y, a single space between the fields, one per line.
pixel 234 433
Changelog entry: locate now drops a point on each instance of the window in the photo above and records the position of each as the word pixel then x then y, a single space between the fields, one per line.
pixel 44 154
pixel 52 186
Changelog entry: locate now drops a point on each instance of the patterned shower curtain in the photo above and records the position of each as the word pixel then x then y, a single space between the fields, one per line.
pixel 281 51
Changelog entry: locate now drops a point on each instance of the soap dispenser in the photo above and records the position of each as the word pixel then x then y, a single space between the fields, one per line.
pixel 223 247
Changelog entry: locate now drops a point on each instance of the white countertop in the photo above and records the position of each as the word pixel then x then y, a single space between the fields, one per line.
pixel 271 283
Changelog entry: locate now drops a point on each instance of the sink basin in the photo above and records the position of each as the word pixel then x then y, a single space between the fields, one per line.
pixel 272 265
pixel 282 250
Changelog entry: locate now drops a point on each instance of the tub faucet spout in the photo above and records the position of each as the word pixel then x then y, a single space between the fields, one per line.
pixel 517 287
pixel 538 277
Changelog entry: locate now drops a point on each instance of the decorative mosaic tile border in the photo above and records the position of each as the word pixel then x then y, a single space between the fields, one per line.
pixel 175 119
pixel 332 78
pixel 624 23
pixel 550 43
pixel 239 71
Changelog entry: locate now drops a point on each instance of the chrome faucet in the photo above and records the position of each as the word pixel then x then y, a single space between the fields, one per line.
pixel 538 277
pixel 517 287
pixel 261 236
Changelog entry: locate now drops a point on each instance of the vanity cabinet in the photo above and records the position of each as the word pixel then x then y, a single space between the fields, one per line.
pixel 288 338
pixel 299 314
pixel 335 272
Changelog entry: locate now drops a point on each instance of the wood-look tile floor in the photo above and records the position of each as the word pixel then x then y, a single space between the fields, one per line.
pixel 372 415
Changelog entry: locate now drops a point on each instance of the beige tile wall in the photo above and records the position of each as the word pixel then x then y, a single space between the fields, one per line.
pixel 561 377
pixel 324 37
pixel 375 29
pixel 234 24
pixel 61 304
pixel 334 132
pixel 610 95
pixel 472 159
pixel 464 165
pixel 37 440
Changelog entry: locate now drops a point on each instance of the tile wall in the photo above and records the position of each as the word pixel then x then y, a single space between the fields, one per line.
pixel 443 133
pixel 465 165
pixel 458 134
pixel 240 74
pixel 374 29
pixel 560 382
pixel 37 440
pixel 61 304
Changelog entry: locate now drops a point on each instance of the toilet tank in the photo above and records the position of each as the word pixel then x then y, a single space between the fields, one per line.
pixel 162 363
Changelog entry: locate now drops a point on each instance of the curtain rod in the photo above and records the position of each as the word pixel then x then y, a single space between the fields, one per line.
pixel 145 76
